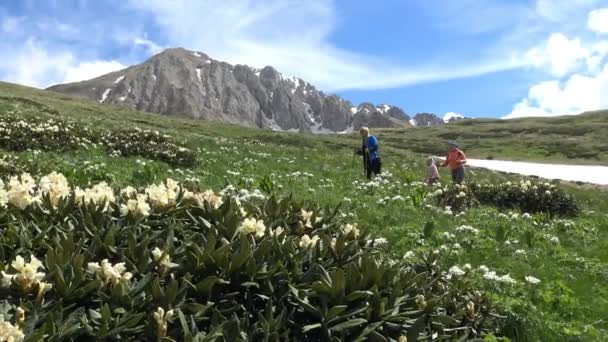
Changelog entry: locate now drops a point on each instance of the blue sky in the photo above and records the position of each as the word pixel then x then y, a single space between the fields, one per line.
pixel 480 58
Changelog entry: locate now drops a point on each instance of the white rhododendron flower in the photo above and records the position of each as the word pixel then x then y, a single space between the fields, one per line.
pixel 137 207
pixel 98 194
pixel 351 228
pixel 129 192
pixel 3 195
pixel 253 226
pixel 27 276
pixel 161 318
pixel 306 242
pixel 163 259
pixel 108 273
pixel 210 197
pixel 306 215
pixel 55 185
pixel 20 191
pixel 159 198
pixel 9 332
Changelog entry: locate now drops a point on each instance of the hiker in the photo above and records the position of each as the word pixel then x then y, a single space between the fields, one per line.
pixel 455 160
pixel 432 174
pixel 369 150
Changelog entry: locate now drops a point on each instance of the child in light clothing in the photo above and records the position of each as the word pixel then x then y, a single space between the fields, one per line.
pixel 432 174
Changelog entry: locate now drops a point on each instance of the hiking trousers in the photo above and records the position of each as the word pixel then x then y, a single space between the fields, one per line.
pixel 374 167
pixel 458 174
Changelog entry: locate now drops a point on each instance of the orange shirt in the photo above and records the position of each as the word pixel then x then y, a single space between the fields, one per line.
pixel 455 159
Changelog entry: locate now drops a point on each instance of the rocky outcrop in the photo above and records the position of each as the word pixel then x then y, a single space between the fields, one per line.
pixel 191 84
pixel 426 119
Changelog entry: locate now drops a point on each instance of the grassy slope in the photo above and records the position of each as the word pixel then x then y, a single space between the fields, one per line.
pixel 571 300
pixel 569 139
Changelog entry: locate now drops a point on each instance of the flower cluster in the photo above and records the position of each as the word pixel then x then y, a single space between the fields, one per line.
pixel 23 192
pixel 110 274
pixel 253 226
pixel 27 277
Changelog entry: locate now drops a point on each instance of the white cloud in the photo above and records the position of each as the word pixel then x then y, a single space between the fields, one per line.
pixel 579 93
pixel 295 38
pixel 598 20
pixel 559 54
pixel 450 115
pixel 33 65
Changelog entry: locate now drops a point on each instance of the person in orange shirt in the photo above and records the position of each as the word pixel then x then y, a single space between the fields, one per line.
pixel 455 160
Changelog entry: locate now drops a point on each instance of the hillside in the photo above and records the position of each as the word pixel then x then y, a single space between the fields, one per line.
pixel 260 234
pixel 179 82
pixel 567 139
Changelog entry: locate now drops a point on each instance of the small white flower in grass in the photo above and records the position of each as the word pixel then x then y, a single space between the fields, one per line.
pixel 484 269
pixel 554 239
pixel 520 252
pixel 409 255
pixel 532 280
pixel 379 242
pixel 138 207
pixel 253 226
pixel 456 271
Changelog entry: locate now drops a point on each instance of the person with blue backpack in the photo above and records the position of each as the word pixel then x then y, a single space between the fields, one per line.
pixel 369 151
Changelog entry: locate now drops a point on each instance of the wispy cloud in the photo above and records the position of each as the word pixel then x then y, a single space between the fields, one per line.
pixel 294 36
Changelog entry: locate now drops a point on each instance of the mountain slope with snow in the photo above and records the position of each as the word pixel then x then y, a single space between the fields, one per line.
pixel 187 83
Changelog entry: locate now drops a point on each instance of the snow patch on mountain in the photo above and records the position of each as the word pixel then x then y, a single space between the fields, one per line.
pixel 119 79
pixel 383 108
pixel 198 74
pixel 413 122
pixel 105 95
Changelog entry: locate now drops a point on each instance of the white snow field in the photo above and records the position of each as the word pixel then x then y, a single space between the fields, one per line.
pixel 583 173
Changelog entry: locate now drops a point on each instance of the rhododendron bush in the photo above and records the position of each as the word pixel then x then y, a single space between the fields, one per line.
pixel 186 264
pixel 21 134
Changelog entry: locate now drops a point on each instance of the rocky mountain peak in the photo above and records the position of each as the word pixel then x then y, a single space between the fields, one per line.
pixel 190 83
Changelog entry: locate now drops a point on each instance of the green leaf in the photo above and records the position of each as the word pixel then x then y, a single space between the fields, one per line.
pixel 350 324
pixel 416 329
pixel 335 311
pixel 310 327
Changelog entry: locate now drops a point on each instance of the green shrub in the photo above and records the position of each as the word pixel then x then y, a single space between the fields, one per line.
pixel 528 197
pixel 20 134
pixel 196 267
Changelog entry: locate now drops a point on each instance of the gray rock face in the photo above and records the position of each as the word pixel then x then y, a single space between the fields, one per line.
pixel 427 119
pixel 187 83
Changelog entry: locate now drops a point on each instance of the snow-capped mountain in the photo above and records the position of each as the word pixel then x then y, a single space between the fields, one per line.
pixel 188 83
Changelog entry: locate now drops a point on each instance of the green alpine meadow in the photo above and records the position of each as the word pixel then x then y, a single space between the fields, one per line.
pixel 118 225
